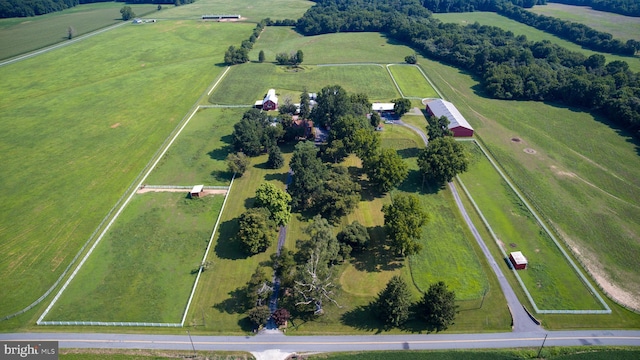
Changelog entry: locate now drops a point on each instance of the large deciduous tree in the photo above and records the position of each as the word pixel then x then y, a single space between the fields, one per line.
pixel 277 201
pixel 314 285
pixel 339 194
pixel 354 235
pixel 401 106
pixel 403 221
pixel 386 169
pixel 393 305
pixel 256 232
pixel 442 160
pixel 438 127
pixel 438 306
pixel 258 289
pixel 275 160
pixel 238 163
pixel 332 103
pixel 308 174
pixel 127 13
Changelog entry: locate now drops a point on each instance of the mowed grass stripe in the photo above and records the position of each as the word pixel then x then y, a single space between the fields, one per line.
pixel 142 270
pixel 78 125
pixel 549 278
pixel 372 80
pixel 412 82
pixel 532 34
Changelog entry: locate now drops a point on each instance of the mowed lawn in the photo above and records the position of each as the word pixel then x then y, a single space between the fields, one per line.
pixel 21 35
pixel 198 155
pixel 250 10
pixel 411 82
pixel 549 278
pixel 330 48
pixel 143 270
pixel 620 26
pixel 78 125
pixel 532 34
pixel 373 80
pixel 581 178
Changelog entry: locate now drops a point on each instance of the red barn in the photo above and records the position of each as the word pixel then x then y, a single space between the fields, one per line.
pixel 457 123
pixel 518 260
pixel 270 101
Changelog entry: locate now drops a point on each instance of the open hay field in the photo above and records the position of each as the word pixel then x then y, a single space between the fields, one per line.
pixel 78 125
pixel 373 80
pixel 250 10
pixel 142 271
pixel 532 34
pixel 21 35
pixel 330 48
pixel 198 155
pixel 620 26
pixel 581 179
pixel 549 278
pixel 411 82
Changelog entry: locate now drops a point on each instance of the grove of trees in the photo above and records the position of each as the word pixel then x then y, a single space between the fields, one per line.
pixel 403 221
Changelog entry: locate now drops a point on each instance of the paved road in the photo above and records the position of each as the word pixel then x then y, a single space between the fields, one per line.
pixel 271 341
pixel 522 322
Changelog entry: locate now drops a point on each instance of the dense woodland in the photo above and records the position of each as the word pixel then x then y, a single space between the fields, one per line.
pixel 508 66
pixel 623 7
pixel 24 8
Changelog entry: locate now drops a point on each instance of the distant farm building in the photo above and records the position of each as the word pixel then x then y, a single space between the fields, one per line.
pixel 383 108
pixel 457 123
pixel 270 101
pixel 221 17
pixel 196 191
pixel 518 260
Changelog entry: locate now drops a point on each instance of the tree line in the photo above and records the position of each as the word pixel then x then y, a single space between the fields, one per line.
pixel 509 66
pixel 622 7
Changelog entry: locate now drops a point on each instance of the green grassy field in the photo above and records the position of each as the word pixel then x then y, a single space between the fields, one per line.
pixel 198 155
pixel 549 278
pixel 568 179
pixel 620 26
pixel 78 125
pixel 532 34
pixel 21 35
pixel 372 80
pixel 252 10
pixel 411 82
pixel 330 48
pixel 142 271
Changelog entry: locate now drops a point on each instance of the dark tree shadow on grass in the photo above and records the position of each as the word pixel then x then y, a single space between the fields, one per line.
pixel 413 184
pixel 235 304
pixel 376 257
pixel 228 247
pixel 221 153
pixel 408 153
pixel 277 176
pixel 362 318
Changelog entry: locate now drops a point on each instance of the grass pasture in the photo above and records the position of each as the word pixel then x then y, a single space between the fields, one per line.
pixel 337 48
pixel 532 34
pixel 22 35
pixel 78 125
pixel 233 90
pixel 142 271
pixel 252 10
pixel 411 82
pixel 198 155
pixel 549 278
pixel 620 26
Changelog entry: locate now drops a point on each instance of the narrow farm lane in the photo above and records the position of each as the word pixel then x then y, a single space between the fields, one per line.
pixel 522 322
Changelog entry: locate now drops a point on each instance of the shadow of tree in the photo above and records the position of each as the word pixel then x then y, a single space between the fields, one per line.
pixel 277 176
pixel 228 247
pixel 408 152
pixel 377 256
pixel 235 304
pixel 362 318
pixel 221 153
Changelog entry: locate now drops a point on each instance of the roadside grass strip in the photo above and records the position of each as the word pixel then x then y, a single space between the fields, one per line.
pixel 411 81
pixel 552 282
pixel 371 79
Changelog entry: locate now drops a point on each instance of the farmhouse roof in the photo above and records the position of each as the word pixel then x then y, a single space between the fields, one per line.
pixel 441 107
pixel 271 96
pixel 382 106
pixel 519 258
pixel 197 189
